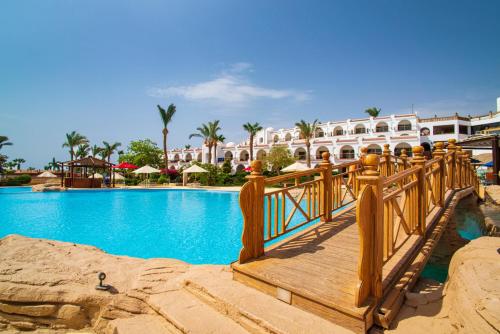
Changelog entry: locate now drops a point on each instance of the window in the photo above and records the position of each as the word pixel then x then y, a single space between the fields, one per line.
pixel 463 129
pixel 444 129
pixel 382 127
pixel 347 152
pixel 359 129
pixel 261 140
pixel 404 126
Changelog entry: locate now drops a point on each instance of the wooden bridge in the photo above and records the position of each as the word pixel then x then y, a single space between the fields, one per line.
pixel 363 230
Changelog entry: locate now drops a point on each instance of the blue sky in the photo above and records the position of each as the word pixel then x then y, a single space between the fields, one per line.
pixel 100 67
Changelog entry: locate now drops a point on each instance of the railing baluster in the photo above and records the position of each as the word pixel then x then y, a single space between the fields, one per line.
pixel 419 160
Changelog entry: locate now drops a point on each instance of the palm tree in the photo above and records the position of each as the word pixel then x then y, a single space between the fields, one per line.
pixel 53 165
pixel 4 141
pixel 95 150
pixel 214 136
pixel 82 151
pixel 166 117
pixel 307 132
pixel 218 139
pixel 18 162
pixel 252 130
pixel 74 139
pixel 207 132
pixel 373 111
pixel 187 147
pixel 109 149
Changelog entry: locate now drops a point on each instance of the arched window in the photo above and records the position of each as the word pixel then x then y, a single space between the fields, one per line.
pixel 276 138
pixel 374 149
pixel 199 157
pixel 347 152
pixel 300 153
pixel 318 133
pixel 261 140
pixel 425 132
pixel 320 151
pixel 381 127
pixel 228 156
pixel 359 129
pixel 338 131
pixel 244 155
pixel 176 157
pixel 189 157
pixel 261 154
pixel 288 136
pixel 404 125
pixel 400 146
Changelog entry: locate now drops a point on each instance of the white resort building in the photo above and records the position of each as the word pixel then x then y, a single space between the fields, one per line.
pixel 343 139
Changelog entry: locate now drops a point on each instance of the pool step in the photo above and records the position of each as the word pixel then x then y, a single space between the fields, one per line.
pixel 191 315
pixel 255 311
pixel 144 323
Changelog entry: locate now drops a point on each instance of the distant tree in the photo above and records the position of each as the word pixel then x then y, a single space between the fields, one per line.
pixel 278 158
pixel 108 149
pixel 166 118
pixel 4 141
pixel 187 147
pixel 218 139
pixel 53 165
pixel 226 167
pixel 209 134
pixel 3 161
pixel 74 139
pixel 95 150
pixel 18 162
pixel 143 152
pixel 82 151
pixel 307 131
pixel 373 111
pixel 252 130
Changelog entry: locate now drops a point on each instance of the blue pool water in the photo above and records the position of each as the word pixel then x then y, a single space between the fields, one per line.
pixel 190 225
pixel 196 226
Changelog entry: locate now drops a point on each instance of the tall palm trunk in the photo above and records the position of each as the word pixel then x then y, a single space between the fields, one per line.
pixel 251 148
pixel 308 146
pixel 215 153
pixel 165 156
pixel 210 153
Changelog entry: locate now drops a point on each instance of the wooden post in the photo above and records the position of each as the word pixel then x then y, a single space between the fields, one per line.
pixel 62 174
pixel 370 216
pixel 404 158
pixel 440 186
pixel 386 153
pixel 363 153
pixel 327 192
pixel 459 163
pixel 419 160
pixel 495 152
pixel 453 167
pixel 252 207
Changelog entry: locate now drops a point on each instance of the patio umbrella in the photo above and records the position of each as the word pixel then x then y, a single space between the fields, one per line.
pixel 488 164
pixel 125 165
pixel 295 167
pixel 118 176
pixel 47 174
pixel 192 169
pixel 146 170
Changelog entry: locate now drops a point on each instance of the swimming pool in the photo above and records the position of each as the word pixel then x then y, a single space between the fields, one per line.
pixel 190 225
pixel 196 226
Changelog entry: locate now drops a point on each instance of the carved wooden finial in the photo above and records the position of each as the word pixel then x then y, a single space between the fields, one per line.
pixel 438 146
pixel 386 148
pixel 326 157
pixel 363 150
pixel 370 164
pixel 459 148
pixel 403 154
pixel 418 154
pixel 256 167
pixel 451 144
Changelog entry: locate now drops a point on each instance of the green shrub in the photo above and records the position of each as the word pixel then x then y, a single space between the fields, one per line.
pixel 132 182
pixel 226 167
pixel 24 179
pixel 163 179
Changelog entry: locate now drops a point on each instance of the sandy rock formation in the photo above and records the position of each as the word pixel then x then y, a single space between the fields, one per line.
pixel 49 287
pixel 469 302
pixel 50 186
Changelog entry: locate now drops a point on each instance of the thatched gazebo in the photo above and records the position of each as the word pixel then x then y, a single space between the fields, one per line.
pixel 82 179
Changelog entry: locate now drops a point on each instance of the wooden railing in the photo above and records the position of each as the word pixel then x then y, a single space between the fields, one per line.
pixel 391 209
pixel 275 206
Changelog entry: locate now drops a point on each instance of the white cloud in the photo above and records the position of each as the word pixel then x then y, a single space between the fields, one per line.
pixel 229 87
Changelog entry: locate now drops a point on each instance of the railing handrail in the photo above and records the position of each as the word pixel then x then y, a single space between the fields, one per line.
pixel 292 175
